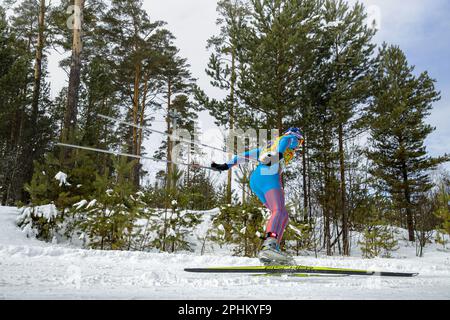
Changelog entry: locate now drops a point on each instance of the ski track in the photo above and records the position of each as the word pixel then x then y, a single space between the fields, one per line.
pixel 31 269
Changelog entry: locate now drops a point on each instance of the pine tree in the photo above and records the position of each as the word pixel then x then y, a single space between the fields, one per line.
pixel 277 52
pixel 223 67
pixel 37 82
pixel 199 190
pixel 47 189
pixel 350 49
pixel 70 116
pixel 425 221
pixel 378 240
pixel 177 84
pixel 14 68
pixel 401 103
pixel 29 124
pixel 107 218
pixel 299 235
pixel 240 225
pixel 34 34
pixel 442 207
pixel 136 45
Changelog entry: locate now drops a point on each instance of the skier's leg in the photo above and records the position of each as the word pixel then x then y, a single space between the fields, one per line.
pixel 269 191
pixel 270 253
pixel 279 218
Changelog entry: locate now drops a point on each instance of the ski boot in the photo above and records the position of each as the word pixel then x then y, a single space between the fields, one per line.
pixel 271 255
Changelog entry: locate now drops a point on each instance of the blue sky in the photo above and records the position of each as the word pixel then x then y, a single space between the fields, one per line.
pixel 421 28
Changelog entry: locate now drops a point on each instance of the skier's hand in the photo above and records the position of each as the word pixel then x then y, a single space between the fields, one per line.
pixel 219 167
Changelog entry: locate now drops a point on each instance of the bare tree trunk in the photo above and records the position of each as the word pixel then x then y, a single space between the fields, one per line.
pixel 305 186
pixel 327 200
pixel 38 67
pixel 142 118
pixel 135 150
pixel 309 184
pixel 232 120
pixel 169 141
pixel 70 117
pixel 29 150
pixel 326 212
pixel 409 212
pixel 344 215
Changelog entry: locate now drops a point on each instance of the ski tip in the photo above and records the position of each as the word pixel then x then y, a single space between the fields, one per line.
pixel 396 274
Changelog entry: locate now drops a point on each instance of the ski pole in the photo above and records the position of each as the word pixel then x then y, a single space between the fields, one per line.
pixel 132 156
pixel 175 138
pixel 168 135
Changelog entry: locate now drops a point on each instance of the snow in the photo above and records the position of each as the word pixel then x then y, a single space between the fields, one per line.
pixel 62 178
pixel 91 204
pixel 48 212
pixel 333 24
pixel 330 24
pixel 31 269
pixel 80 204
pixel 295 230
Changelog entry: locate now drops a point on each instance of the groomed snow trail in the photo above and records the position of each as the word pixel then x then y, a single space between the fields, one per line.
pixel 31 269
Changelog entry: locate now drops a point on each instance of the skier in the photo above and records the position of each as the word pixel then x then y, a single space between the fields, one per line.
pixel 265 182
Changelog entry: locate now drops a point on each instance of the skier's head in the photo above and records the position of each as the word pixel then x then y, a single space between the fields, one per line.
pixel 295 132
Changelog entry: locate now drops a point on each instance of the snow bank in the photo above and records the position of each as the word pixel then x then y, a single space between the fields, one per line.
pixel 34 269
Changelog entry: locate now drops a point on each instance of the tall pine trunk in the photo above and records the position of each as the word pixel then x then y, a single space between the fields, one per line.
pixel 305 185
pixel 70 117
pixel 29 149
pixel 344 215
pixel 409 212
pixel 169 140
pixel 327 196
pixel 135 151
pixel 38 66
pixel 142 118
pixel 232 121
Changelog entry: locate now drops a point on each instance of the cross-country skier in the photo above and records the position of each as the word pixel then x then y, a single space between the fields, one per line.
pixel 265 182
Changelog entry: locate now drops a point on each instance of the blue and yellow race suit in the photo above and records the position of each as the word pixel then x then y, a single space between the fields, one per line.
pixel 265 180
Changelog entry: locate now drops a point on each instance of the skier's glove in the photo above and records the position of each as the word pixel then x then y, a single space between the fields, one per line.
pixel 220 167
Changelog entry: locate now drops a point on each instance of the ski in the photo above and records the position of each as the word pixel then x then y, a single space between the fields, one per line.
pixel 299 270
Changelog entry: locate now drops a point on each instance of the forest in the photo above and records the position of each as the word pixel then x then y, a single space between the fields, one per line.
pixel 312 64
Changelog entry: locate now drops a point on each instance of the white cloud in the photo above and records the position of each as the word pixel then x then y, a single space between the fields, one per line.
pixel 401 20
pixel 192 23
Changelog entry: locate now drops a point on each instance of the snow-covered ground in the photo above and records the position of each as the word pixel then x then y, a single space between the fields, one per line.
pixel 33 269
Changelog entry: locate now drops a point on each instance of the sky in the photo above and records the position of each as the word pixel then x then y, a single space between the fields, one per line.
pixel 421 29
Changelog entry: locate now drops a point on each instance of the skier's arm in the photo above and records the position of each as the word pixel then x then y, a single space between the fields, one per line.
pixel 244 157
pixel 237 160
